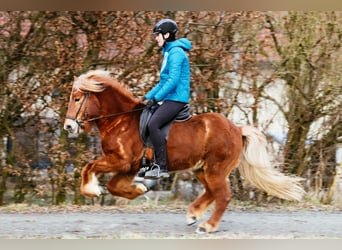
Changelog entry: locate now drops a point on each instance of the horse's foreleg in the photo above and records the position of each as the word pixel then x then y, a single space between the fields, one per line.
pixel 90 184
pixel 121 185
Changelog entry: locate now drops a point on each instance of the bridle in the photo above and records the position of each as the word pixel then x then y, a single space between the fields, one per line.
pixel 80 122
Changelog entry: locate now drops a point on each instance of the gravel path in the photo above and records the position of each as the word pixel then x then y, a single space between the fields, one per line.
pixel 171 225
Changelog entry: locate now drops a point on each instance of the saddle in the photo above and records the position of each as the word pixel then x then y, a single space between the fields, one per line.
pixel 146 115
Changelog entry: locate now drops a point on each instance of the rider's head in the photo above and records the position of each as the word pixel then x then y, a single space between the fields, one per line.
pixel 167 28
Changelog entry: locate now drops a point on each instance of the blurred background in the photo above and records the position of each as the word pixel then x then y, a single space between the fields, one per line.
pixel 279 71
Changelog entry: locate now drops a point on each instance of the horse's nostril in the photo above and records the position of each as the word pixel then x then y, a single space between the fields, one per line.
pixel 67 127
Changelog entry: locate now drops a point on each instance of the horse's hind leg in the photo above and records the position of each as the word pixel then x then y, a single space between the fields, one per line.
pixel 199 206
pixel 215 181
pixel 221 193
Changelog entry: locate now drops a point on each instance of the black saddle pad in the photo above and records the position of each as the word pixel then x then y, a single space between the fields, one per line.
pixel 146 115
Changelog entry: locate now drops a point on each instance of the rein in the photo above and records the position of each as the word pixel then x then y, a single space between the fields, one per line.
pixel 85 101
pixel 112 115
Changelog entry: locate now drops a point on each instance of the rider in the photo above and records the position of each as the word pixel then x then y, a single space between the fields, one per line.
pixel 172 91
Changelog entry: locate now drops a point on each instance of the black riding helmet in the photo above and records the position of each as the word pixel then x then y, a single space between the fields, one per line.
pixel 164 26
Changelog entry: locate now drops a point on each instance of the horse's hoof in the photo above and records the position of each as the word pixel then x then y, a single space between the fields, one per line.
pixel 99 191
pixel 191 220
pixel 103 190
pixel 142 187
pixel 91 190
pixel 201 230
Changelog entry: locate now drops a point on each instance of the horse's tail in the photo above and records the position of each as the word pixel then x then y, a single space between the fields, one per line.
pixel 256 168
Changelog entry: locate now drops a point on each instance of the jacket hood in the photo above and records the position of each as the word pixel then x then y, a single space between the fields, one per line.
pixel 184 43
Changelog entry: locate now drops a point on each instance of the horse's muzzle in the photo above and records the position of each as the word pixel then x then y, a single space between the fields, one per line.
pixel 72 126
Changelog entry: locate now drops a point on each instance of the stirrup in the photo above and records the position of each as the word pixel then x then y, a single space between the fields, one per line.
pixel 155 172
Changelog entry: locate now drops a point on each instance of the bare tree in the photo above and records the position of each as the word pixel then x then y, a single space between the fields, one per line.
pixel 309 47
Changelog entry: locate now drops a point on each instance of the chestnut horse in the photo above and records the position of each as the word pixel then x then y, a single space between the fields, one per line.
pixel 208 144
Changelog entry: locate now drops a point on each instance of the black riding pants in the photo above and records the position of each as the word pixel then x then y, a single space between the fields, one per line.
pixel 165 113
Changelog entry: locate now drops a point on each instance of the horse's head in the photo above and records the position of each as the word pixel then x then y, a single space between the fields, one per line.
pixel 96 95
pixel 83 103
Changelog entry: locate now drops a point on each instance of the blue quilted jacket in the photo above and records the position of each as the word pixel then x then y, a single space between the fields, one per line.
pixel 174 83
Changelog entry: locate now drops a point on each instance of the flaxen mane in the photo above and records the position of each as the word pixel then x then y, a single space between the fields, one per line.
pixel 97 81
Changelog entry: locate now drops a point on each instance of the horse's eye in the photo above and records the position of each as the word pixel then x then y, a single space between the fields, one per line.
pixel 77 99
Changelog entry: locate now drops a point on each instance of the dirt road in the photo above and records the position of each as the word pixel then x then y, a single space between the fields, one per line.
pixel 163 224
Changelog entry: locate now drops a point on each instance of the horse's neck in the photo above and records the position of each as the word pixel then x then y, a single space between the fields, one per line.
pixel 114 101
pixel 118 108
pixel 122 127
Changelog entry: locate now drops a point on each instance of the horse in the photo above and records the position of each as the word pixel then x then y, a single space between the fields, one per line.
pixel 208 144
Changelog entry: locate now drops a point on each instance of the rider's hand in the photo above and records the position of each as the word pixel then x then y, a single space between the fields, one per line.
pixel 150 103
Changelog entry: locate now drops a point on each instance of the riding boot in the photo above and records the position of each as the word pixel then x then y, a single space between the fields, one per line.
pixel 159 168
